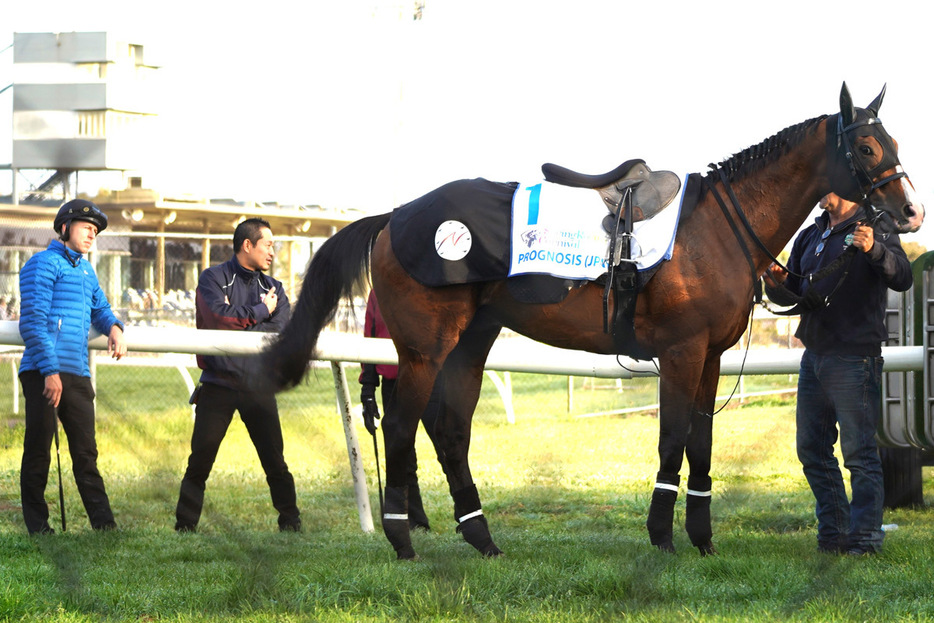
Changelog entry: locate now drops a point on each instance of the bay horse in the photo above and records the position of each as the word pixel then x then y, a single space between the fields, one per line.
pixel 693 309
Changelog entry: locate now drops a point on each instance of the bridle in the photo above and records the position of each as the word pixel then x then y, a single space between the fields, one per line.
pixel 864 177
pixel 849 176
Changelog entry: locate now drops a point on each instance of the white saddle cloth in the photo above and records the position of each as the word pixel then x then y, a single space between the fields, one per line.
pixel 557 230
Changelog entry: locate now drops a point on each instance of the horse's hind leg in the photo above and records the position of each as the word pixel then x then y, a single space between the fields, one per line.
pixel 697 450
pixel 460 379
pixel 425 324
pixel 413 388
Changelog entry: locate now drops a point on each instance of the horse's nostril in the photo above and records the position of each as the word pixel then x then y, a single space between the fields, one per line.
pixel 909 211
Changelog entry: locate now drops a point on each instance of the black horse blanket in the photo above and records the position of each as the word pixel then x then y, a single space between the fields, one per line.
pixel 457 233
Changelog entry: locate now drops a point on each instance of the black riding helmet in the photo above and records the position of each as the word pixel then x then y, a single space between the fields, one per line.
pixel 79 210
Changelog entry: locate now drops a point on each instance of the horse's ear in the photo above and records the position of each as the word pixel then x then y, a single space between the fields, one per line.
pixel 876 103
pixel 847 111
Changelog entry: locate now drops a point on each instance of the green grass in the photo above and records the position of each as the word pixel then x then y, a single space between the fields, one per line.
pixel 566 499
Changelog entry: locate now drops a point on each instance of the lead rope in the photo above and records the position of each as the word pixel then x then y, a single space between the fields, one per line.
pixel 379 478
pixel 58 460
pixel 811 300
pixel 742 366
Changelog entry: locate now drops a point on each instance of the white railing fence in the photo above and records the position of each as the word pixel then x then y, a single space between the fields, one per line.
pixel 512 354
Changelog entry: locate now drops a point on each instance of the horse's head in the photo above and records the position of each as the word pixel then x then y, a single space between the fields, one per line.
pixel 864 167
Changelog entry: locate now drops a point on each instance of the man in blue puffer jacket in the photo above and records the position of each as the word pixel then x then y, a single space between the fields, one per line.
pixel 61 301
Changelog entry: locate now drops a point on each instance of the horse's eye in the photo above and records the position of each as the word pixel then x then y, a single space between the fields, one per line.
pixel 865 150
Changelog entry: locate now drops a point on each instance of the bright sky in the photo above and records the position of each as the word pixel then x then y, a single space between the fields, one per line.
pixel 341 103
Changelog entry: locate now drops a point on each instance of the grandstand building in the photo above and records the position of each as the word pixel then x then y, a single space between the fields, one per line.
pixel 84 102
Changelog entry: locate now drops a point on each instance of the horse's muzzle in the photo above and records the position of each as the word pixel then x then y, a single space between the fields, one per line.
pixel 912 213
pixel 910 218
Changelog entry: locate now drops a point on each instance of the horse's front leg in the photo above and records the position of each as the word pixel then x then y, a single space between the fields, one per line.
pixel 698 449
pixel 677 388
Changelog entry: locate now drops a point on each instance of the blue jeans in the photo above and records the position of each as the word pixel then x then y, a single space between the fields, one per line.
pixel 842 390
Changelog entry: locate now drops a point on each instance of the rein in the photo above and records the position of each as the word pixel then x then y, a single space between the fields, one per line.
pixel 742 217
pixel 807 302
pixel 812 300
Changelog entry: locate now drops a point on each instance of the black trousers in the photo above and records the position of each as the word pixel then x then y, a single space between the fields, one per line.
pixel 260 415
pixel 76 413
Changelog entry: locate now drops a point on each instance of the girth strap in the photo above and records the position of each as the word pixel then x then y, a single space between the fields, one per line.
pixel 620 252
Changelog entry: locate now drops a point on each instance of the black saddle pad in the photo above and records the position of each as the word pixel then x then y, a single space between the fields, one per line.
pixel 483 207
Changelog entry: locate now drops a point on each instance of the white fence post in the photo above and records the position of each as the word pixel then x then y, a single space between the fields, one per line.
pixel 353 447
pixel 505 392
pixel 15 385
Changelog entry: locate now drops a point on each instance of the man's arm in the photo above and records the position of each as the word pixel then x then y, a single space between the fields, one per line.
pixel 104 320
pixel 215 310
pixel 36 283
pixel 116 344
pixel 776 277
pixel 280 314
pixel 888 259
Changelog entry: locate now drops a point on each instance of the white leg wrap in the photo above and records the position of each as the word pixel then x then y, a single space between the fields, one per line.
pixel 700 494
pixel 476 513
pixel 666 486
pixel 397 516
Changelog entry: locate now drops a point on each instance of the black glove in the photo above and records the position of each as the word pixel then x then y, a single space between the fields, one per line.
pixel 370 410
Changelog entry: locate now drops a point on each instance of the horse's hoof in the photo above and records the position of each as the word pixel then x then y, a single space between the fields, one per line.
pixel 407 555
pixel 668 547
pixel 492 551
pixel 403 546
pixel 707 549
pixel 476 532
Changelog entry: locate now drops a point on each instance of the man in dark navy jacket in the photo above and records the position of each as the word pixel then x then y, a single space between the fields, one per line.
pixel 841 369
pixel 238 296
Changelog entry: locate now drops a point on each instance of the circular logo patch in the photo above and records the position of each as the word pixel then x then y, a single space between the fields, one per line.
pixel 452 240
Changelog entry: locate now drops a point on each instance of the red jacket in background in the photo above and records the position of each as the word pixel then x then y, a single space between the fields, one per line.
pixel 375 327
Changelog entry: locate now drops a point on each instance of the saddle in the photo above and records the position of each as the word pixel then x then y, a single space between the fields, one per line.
pixel 649 193
pixel 651 190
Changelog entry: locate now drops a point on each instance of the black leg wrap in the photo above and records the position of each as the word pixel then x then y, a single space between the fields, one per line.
pixel 466 501
pixel 471 523
pixel 396 522
pixel 418 520
pixel 697 514
pixel 662 512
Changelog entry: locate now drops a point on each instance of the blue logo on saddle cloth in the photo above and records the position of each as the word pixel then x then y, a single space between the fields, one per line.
pixel 557 230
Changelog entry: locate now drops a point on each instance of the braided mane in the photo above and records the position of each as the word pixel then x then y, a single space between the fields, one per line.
pixel 771 149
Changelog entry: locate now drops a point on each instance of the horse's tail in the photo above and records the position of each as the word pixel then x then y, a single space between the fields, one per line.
pixel 338 266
